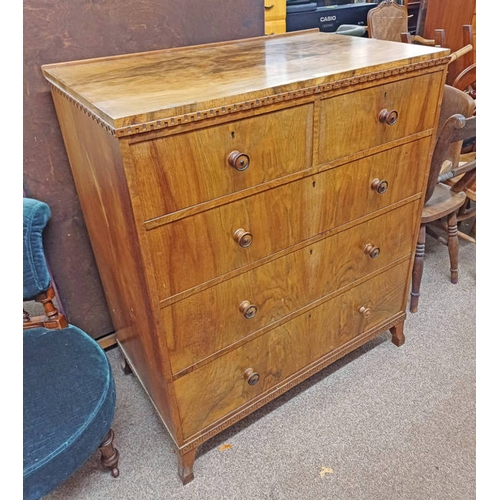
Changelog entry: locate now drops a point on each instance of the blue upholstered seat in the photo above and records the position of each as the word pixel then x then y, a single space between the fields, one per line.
pixel 36 277
pixel 68 386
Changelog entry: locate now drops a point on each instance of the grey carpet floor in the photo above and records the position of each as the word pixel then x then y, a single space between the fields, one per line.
pixel 383 423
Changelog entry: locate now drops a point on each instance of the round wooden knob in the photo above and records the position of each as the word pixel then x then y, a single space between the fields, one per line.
pixel 365 311
pixel 239 161
pixel 388 117
pixel 243 238
pixel 249 310
pixel 251 377
pixel 381 186
pixel 372 251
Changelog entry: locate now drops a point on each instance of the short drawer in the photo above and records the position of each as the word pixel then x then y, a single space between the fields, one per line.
pixel 208 321
pixel 196 249
pixel 219 387
pixel 185 169
pixel 361 120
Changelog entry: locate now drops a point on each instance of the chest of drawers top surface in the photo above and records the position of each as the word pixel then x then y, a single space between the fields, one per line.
pixel 140 88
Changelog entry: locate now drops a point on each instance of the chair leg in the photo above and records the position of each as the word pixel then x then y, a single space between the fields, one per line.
pixel 109 454
pixel 418 269
pixel 453 246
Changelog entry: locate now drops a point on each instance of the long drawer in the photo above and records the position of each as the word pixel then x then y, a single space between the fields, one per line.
pixel 182 170
pixel 217 388
pixel 206 322
pixel 358 121
pixel 196 249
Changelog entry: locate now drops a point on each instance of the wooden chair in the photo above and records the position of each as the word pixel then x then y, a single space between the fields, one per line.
pixel 389 21
pixel 68 387
pixel 460 171
pixel 441 200
pixel 455 101
pixel 466 79
pixel 462 174
pixel 466 183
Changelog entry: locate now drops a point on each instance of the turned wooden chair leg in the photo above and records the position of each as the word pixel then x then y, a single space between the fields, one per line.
pixel 109 454
pixel 418 269
pixel 453 246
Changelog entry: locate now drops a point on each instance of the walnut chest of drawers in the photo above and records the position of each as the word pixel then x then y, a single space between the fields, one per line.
pixel 253 208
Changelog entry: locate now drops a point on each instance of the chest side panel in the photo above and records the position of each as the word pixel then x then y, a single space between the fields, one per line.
pixel 98 169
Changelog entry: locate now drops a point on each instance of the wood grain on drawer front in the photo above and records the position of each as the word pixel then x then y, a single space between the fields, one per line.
pixel 185 169
pixel 350 122
pixel 196 249
pixel 217 388
pixel 208 321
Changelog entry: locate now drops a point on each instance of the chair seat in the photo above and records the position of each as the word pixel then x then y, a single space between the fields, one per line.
pixel 69 405
pixel 442 202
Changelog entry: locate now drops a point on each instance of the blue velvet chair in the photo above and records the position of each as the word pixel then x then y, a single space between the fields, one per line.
pixel 68 386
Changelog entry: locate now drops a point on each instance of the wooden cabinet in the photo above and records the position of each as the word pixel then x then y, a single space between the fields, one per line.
pixel 274 17
pixel 253 207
